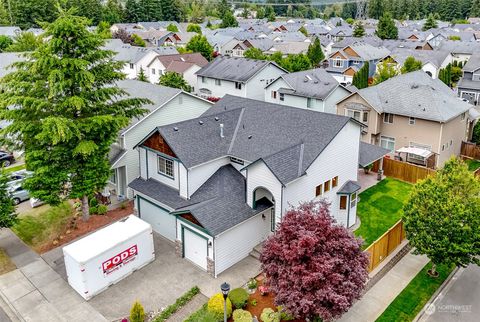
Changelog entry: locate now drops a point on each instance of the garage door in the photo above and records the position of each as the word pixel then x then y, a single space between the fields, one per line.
pixel 162 222
pixel 195 248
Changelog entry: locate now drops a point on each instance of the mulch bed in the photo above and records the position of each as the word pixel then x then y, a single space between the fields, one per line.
pixel 263 301
pixel 78 228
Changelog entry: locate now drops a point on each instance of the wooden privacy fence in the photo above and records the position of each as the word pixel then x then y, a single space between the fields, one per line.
pixel 403 170
pixel 470 150
pixel 385 245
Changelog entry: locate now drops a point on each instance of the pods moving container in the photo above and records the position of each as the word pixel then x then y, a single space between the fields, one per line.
pixel 108 255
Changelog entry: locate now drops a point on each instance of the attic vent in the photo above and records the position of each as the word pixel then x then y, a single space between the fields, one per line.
pixel 200 122
pixel 307 78
pixel 326 83
pixel 216 118
pixel 249 137
pixel 175 129
pixel 414 86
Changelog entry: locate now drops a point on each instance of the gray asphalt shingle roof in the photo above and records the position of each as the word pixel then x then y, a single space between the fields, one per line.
pixel 473 63
pixel 233 68
pixel 348 188
pixel 158 191
pixel 416 95
pixel 248 136
pixel 370 153
pixel 115 153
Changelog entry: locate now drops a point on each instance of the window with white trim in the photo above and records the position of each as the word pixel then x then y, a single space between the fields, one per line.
pixel 282 96
pixel 165 166
pixel 387 143
pixel 338 62
pixel 218 82
pixel 274 94
pixel 388 118
pixel 238 85
pixel 153 71
pixel 131 66
pixel 353 200
pixel 354 114
pixel 411 120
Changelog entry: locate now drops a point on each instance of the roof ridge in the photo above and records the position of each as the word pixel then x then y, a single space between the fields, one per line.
pixel 300 159
pixel 240 117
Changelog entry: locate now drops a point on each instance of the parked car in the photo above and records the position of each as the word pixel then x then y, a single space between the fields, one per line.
pixel 18 176
pixel 18 193
pixel 6 158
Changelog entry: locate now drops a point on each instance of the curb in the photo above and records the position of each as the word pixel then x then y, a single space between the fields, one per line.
pixel 9 309
pixel 435 295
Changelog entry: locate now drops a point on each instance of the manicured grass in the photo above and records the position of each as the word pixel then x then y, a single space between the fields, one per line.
pixel 472 164
pixel 15 168
pixel 380 207
pixel 6 265
pixel 179 303
pixel 414 297
pixel 43 227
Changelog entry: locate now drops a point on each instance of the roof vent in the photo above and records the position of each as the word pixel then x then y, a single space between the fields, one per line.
pixel 221 131
pixel 216 118
pixel 200 122
pixel 249 137
pixel 414 86
pixel 175 129
pixel 182 59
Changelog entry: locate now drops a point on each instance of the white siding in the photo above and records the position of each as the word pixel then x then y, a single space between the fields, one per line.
pixel 174 182
pixel 142 153
pixel 183 176
pixel 199 174
pixel 259 175
pixel 255 87
pixel 159 71
pixel 225 87
pixel 181 224
pixel 339 158
pixel 236 243
pixel 190 77
pixel 330 102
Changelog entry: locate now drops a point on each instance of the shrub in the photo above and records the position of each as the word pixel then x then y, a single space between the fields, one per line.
pixel 240 315
pixel 123 205
pixel 252 284
pixel 269 315
pixel 179 303
pixel 284 315
pixel 215 306
pixel 253 302
pixel 93 202
pixel 102 209
pixel 239 297
pixel 93 210
pixel 137 314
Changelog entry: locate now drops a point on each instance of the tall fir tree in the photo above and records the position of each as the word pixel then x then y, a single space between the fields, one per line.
pixel 475 9
pixel 27 13
pixel 358 29
pixel 315 53
pixel 113 12
pixel 375 8
pixel 69 111
pixel 171 10
pixel 4 15
pixel 386 28
pixel 430 23
pixel 92 9
pixel 360 78
pixel 229 20
pixel 133 11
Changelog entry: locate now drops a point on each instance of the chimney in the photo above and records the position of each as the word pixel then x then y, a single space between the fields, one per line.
pixel 221 130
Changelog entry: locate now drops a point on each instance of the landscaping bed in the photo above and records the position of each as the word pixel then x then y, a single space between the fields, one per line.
pixel 6 264
pixel 60 225
pixel 413 298
pixel 380 207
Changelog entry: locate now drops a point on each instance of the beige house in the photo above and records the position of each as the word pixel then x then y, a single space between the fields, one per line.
pixel 418 118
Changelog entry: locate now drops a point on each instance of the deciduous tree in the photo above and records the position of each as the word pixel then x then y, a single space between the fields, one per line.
pixel 175 80
pixel 410 65
pixel 385 70
pixel 192 27
pixel 69 111
pixel 254 53
pixel 228 20
pixel 200 44
pixel 296 63
pixel 442 216
pixel 315 267
pixel 172 28
pixel 5 42
pixel 7 210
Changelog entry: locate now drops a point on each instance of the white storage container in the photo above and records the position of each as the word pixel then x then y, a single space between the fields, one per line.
pixel 108 255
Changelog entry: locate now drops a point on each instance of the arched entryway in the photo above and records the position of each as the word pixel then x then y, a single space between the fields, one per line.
pixel 263 199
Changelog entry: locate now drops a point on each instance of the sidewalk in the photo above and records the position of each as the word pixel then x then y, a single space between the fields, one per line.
pixel 379 297
pixel 35 292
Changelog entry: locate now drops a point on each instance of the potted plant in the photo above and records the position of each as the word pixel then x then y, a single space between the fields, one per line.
pixel 252 285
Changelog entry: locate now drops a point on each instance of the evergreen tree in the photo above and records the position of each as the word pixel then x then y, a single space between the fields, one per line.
pixel 25 41
pixel 430 23
pixel 475 9
pixel 103 29
pixel 229 20
pixel 200 44
pixel 7 209
pixel 270 13
pixel 315 53
pixel 386 28
pixel 152 10
pixel 69 111
pixel 141 75
pixel 92 9
pixel 197 12
pixel 360 78
pixel 445 75
pixel 375 8
pixel 175 80
pixel 245 12
pixel 112 12
pixel 303 31
pixel 171 10
pixel 5 42
pixel 223 7
pixel 386 70
pixel 4 16
pixel 26 13
pixel 411 65
pixel 358 30
pixel 260 12
pixel 133 11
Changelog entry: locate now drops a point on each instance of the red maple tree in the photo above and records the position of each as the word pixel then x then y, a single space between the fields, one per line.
pixel 315 267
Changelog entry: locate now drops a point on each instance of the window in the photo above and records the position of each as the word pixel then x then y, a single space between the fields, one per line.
pixel 354 114
pixel 343 202
pixel 335 182
pixel 238 85
pixel 218 82
pixel 326 186
pixel 204 79
pixel 131 66
pixel 282 97
pixel 443 147
pixel 309 102
pixel 237 160
pixel 274 94
pixel 353 200
pixel 337 63
pixel 387 143
pixel 165 166
pixel 388 118
pixel 113 176
pixel 411 120
pixel 365 117
pixel 153 71
pixel 318 190
pixel 355 62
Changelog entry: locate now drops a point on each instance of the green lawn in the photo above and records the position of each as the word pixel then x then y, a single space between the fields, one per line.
pixel 14 168
pixel 380 207
pixel 414 297
pixel 41 228
pixel 472 164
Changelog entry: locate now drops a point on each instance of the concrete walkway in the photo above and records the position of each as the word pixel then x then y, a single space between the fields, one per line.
pixel 35 292
pixel 379 297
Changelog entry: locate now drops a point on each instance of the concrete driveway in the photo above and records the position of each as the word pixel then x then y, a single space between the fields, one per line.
pixel 160 283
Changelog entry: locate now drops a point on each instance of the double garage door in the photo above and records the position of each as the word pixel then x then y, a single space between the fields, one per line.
pixel 160 219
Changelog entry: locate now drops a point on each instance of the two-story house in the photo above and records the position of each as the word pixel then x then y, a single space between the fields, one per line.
pixel 469 84
pixel 237 76
pixel 344 63
pixel 312 89
pixel 412 111
pixel 217 185
pixel 169 105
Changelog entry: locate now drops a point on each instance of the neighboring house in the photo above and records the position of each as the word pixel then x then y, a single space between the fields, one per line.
pixel 219 184
pixel 344 63
pixel 185 64
pixel 469 84
pixel 289 47
pixel 237 76
pixel 412 111
pixel 169 105
pixel 311 89
pixel 7 59
pixel 10 31
pixel 432 60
